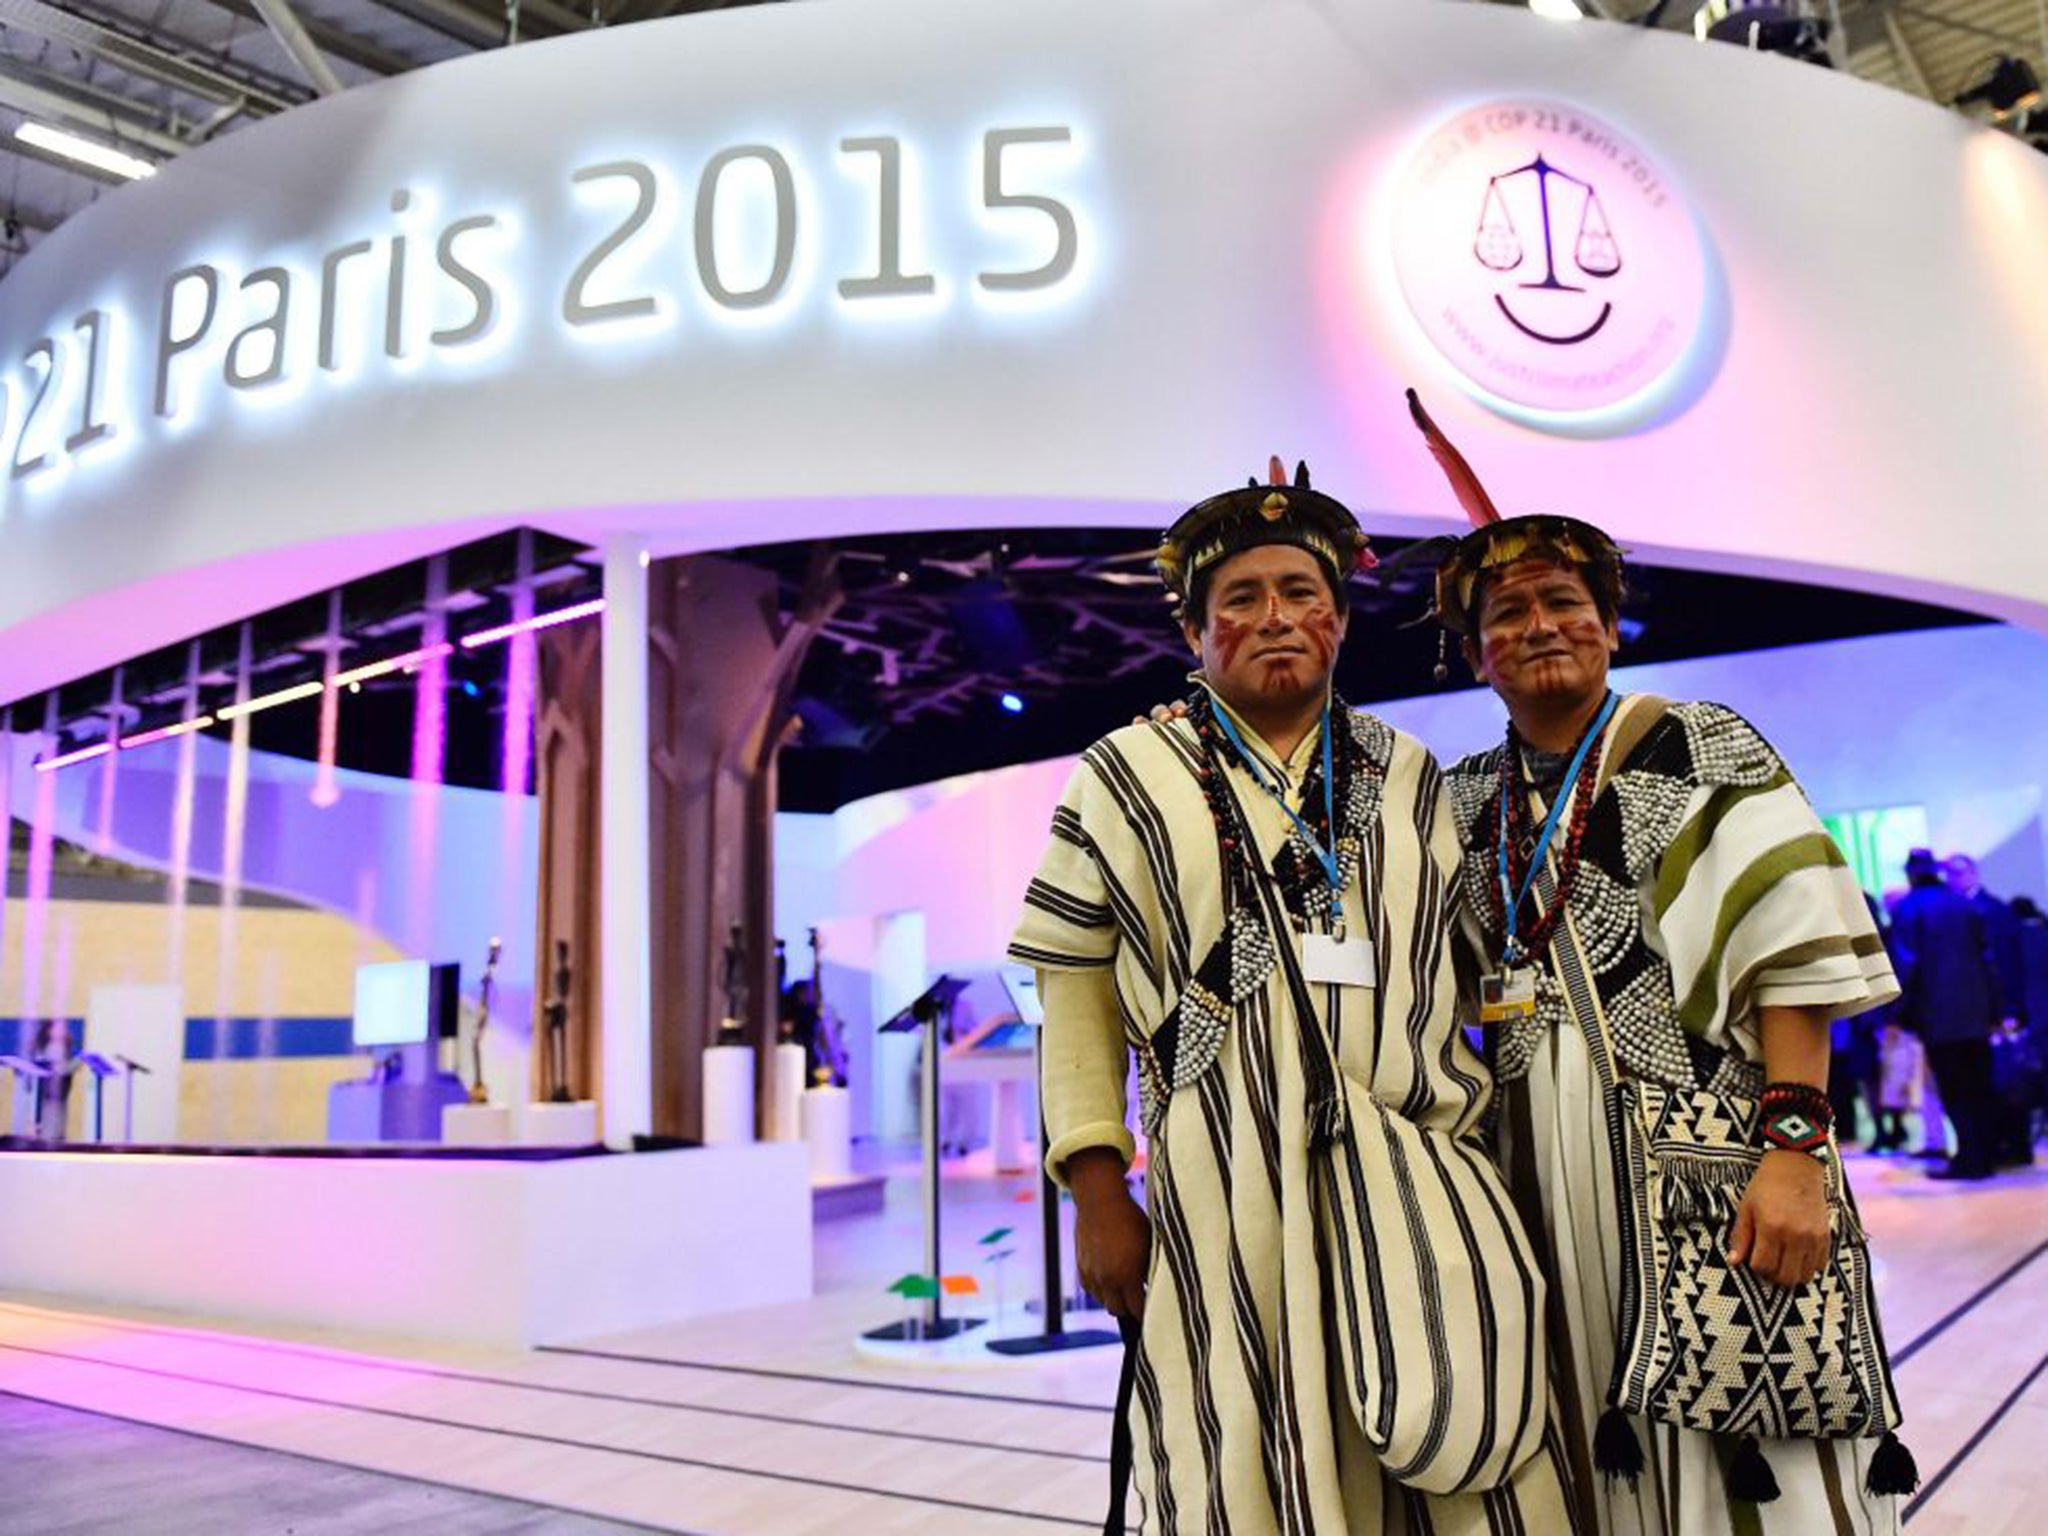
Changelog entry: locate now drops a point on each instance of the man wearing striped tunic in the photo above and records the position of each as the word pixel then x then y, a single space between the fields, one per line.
pixel 1682 920
pixel 1341 1316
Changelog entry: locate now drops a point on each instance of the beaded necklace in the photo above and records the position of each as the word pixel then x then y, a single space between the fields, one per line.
pixel 1521 835
pixel 1303 883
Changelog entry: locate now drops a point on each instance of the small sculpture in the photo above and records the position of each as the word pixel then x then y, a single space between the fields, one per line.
pixel 484 989
pixel 732 1028
pixel 556 1021
pixel 828 1043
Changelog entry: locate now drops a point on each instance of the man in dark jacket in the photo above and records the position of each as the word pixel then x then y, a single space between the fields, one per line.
pixel 1950 998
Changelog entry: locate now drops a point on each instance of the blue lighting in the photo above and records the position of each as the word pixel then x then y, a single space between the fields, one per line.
pixel 1013 704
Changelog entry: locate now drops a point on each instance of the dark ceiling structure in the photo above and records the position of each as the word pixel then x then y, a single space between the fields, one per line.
pixel 951 653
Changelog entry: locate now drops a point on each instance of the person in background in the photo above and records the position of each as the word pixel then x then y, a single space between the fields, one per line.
pixel 1950 999
pixel 2010 1111
pixel 1853 1060
pixel 2030 944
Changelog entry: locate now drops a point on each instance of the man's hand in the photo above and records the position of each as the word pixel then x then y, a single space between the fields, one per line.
pixel 1165 714
pixel 1781 1230
pixel 1112 1233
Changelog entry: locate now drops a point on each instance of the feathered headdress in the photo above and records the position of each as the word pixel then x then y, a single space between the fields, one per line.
pixel 1497 541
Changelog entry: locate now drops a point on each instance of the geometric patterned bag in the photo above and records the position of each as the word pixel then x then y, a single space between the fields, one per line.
pixel 1708 1345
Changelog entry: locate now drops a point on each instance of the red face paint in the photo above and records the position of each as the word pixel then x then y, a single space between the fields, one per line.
pixel 1319 628
pixel 1229 639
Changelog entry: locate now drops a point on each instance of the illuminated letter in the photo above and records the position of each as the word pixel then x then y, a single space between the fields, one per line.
pixel 889 279
pixel 993 196
pixel 574 309
pixel 394 286
pixel 45 352
pixel 273 367
pixel 785 227
pixel 169 344
pixel 91 328
pixel 330 268
pixel 478 324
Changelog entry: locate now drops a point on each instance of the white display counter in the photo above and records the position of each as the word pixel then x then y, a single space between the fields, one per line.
pixel 479 1250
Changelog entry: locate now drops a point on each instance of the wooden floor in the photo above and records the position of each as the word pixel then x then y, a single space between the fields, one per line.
pixel 772 1422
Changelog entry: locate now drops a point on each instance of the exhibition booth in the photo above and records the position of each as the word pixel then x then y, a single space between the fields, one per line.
pixel 805 273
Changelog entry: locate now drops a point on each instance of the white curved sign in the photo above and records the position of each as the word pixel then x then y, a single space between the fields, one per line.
pixel 1550 259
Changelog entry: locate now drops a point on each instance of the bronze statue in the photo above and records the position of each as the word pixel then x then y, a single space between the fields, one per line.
pixel 828 1045
pixel 484 988
pixel 556 1018
pixel 732 1029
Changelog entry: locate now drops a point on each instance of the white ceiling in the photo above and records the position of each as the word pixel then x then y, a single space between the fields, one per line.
pixel 158 76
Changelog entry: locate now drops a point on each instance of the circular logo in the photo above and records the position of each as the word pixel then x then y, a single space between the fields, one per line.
pixel 1547 257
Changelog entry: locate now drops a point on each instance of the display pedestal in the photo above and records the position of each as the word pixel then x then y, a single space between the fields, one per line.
pixel 561 1125
pixel 1056 1338
pixel 476 1125
pixel 502 1252
pixel 728 1094
pixel 827 1115
pixel 930 1012
pixel 787 1069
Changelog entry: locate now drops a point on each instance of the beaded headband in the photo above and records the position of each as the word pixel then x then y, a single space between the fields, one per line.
pixel 1257 515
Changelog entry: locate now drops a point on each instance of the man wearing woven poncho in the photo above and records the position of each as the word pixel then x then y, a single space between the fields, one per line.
pixel 1342 1319
pixel 1656 933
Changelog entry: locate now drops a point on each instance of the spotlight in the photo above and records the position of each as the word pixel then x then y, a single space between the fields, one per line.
pixel 1013 704
pixel 2011 86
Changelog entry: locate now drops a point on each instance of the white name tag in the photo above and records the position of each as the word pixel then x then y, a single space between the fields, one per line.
pixel 1344 962
pixel 1507 996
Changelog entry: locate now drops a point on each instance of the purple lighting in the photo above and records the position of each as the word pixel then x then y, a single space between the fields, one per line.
pixel 83 754
pixel 544 621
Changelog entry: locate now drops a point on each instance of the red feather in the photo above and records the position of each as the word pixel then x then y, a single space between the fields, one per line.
pixel 1471 494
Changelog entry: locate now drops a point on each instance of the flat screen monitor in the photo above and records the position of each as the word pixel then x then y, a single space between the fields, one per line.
pixel 1021 982
pixel 393 1003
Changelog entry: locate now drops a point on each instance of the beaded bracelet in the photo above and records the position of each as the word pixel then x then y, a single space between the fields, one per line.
pixel 1795 1117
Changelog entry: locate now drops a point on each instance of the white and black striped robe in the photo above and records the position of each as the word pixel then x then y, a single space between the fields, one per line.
pixel 1317 1322
pixel 1708 891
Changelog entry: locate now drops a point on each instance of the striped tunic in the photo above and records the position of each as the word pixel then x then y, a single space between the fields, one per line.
pixel 1338 1340
pixel 1707 891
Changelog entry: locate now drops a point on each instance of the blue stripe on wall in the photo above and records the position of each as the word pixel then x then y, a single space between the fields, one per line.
pixel 244 1038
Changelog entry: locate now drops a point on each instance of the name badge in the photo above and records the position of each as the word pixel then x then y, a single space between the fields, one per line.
pixel 1343 960
pixel 1507 996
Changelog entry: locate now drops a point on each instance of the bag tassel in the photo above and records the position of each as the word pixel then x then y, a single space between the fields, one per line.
pixel 1749 1476
pixel 1892 1468
pixel 1616 1451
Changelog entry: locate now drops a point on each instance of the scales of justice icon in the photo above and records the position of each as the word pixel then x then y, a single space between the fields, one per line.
pixel 1498 245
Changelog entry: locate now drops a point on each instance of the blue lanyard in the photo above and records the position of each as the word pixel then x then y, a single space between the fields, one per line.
pixel 1328 859
pixel 1511 899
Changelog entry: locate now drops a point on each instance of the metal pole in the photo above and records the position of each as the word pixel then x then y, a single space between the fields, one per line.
pixel 934 1318
pixel 1049 1214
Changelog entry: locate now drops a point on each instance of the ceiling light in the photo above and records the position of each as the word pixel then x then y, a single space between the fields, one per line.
pixel 1557 10
pixel 84 151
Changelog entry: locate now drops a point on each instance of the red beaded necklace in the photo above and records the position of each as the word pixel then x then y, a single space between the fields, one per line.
pixel 1520 832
